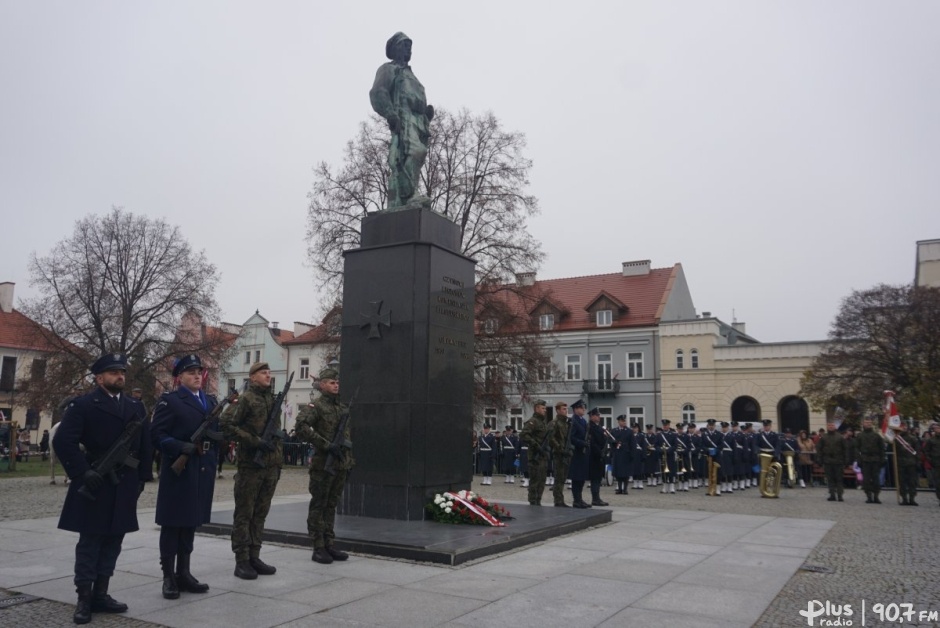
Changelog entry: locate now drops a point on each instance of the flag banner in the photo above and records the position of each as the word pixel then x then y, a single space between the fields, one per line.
pixel 892 420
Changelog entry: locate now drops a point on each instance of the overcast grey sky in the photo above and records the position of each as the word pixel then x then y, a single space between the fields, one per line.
pixel 784 152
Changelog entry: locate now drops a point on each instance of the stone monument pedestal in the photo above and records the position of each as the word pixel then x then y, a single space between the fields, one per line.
pixel 407 364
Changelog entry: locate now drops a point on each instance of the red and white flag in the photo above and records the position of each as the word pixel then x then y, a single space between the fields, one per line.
pixel 891 420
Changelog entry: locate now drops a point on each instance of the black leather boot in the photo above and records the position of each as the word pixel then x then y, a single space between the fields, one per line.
pixel 83 606
pixel 245 571
pixel 261 567
pixel 185 579
pixel 101 602
pixel 171 589
pixel 336 554
pixel 320 555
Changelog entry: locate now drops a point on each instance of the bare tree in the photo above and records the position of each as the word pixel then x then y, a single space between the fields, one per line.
pixel 122 283
pixel 886 337
pixel 475 173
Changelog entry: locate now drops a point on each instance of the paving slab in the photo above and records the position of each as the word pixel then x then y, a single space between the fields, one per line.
pixel 406 608
pixel 229 609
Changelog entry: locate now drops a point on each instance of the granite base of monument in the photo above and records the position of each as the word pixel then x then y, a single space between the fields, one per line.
pixel 425 541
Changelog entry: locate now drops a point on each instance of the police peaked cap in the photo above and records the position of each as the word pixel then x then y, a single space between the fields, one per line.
pixel 594 412
pixel 577 404
pixel 109 362
pixel 622 417
pixel 767 422
pixel 725 424
pixel 185 363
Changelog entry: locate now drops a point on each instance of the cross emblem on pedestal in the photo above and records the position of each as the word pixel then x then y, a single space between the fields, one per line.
pixel 374 320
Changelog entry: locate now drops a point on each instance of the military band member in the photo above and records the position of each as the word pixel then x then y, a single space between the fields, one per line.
pixel 621 456
pixel 578 470
pixel 683 457
pixel 906 446
pixel 318 424
pixel 697 470
pixel 753 461
pixel 597 445
pixel 535 434
pixel 487 444
pixel 652 461
pixel 101 511
pixel 523 467
pixel 739 460
pixel 713 446
pixel 244 423
pixel 638 457
pixel 184 501
pixel 666 447
pixel 870 449
pixel 561 455
pixel 509 454
pixel 833 455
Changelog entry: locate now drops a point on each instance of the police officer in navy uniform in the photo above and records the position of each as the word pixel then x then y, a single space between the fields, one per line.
pixel 185 499
pixel 622 454
pixel 578 471
pixel 487 445
pixel 96 421
pixel 597 447
pixel 509 453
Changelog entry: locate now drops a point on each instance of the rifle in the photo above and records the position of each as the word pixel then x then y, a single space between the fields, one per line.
pixel 272 428
pixel 569 445
pixel 117 456
pixel 203 432
pixel 339 439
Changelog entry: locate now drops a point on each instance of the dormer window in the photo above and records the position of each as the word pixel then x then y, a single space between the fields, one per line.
pixel 546 322
pixel 604 318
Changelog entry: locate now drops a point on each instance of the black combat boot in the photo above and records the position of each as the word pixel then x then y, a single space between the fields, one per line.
pixel 186 581
pixel 913 503
pixel 335 553
pixel 262 568
pixel 839 498
pixel 171 589
pixel 831 498
pixel 868 499
pixel 875 499
pixel 83 606
pixel 101 602
pixel 245 571
pixel 320 555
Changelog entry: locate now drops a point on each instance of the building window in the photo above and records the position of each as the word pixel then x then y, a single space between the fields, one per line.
pixel 607 415
pixel 37 370
pixel 515 418
pixel 688 413
pixel 693 358
pixel 680 359
pixel 545 370
pixel 490 326
pixel 573 367
pixel 634 366
pixel 516 373
pixel 247 357
pixel 604 369
pixel 231 385
pixel 489 416
pixel 258 359
pixel 304 368
pixel 8 374
pixel 604 318
pixel 636 415
pixel 489 377
pixel 245 383
pixel 547 322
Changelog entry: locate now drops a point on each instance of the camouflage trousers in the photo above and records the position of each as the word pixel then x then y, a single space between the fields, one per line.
pixel 834 481
pixel 907 482
pixel 538 469
pixel 325 491
pixel 254 490
pixel 871 477
pixel 561 474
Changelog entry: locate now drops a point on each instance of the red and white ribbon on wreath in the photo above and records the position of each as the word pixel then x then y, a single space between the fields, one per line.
pixel 480 512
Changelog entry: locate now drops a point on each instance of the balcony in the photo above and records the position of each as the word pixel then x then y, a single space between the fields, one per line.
pixel 600 387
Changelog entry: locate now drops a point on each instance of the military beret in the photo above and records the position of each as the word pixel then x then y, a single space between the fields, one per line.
pixel 577 404
pixel 393 41
pixel 109 362
pixel 328 373
pixel 594 412
pixel 767 422
pixel 258 366
pixel 540 402
pixel 186 362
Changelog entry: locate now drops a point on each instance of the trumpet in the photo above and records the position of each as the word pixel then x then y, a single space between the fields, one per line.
pixel 665 463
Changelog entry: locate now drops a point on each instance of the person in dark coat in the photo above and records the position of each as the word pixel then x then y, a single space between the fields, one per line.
pixel 100 508
pixel 638 459
pixel 621 457
pixel 509 454
pixel 578 471
pixel 185 498
pixel 487 446
pixel 597 445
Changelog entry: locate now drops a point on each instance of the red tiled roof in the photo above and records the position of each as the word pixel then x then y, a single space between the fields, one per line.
pixel 213 334
pixel 17 331
pixel 643 295
pixel 281 336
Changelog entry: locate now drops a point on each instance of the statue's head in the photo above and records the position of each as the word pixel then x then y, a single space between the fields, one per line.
pixel 398 47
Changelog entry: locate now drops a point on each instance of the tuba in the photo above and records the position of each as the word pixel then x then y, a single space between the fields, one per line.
pixel 713 467
pixel 771 473
pixel 789 455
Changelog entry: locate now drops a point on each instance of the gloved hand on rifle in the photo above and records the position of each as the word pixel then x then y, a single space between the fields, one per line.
pixel 267 446
pixel 93 480
pixel 188 449
pixel 335 449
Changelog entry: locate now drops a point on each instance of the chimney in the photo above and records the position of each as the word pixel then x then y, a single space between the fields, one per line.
pixel 525 279
pixel 274 324
pixel 636 268
pixel 706 314
pixel 302 328
pixel 739 327
pixel 6 296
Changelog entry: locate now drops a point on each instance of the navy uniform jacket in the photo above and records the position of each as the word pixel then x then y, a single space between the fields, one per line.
pixel 185 500
pixel 578 471
pixel 767 443
pixel 96 420
pixel 487 445
pixel 597 444
pixel 622 452
pixel 639 455
pixel 508 452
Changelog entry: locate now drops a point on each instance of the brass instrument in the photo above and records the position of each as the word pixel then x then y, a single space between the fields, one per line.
pixel 680 454
pixel 665 463
pixel 789 456
pixel 771 473
pixel 713 467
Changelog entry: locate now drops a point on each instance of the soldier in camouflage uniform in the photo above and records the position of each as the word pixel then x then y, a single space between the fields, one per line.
pixel 535 434
pixel 870 449
pixel 243 422
pixel 561 457
pixel 932 452
pixel 318 424
pixel 833 453
pixel 906 447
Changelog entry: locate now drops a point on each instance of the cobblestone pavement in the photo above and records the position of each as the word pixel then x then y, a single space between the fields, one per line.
pixel 883 553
